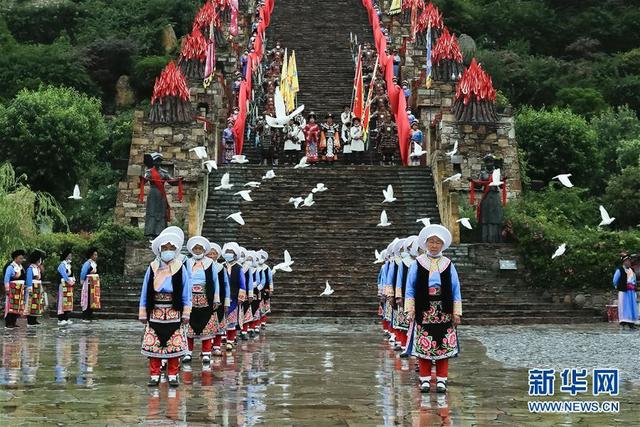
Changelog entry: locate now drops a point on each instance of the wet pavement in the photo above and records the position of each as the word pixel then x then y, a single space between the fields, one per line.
pixel 300 374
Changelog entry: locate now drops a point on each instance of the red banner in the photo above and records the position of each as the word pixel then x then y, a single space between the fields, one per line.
pixel 246 86
pixel 397 100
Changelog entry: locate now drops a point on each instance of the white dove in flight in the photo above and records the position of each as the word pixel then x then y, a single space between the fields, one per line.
pixel 224 183
pixel 453 178
pixel 245 194
pixel 252 184
pixel 237 217
pixel 201 152
pixel 320 188
pixel 388 195
pixel 496 178
pixel 269 175
pixel 417 150
pixel 239 158
pixel 302 163
pixel 465 222
pixel 454 151
pixel 606 219
pixel 76 193
pixel 327 290
pixel 564 179
pixel 281 119
pixel 560 251
pixel 308 201
pixel 211 165
pixel 384 221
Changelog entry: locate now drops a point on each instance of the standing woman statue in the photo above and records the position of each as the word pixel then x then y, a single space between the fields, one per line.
pixel 158 211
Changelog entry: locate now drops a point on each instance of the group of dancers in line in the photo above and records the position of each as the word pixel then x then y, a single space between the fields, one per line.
pixel 25 294
pixel 197 298
pixel 420 302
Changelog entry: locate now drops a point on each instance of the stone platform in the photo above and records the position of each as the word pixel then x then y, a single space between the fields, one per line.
pixel 303 375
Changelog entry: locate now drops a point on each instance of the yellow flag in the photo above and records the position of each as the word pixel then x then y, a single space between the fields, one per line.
pixel 291 84
pixel 284 86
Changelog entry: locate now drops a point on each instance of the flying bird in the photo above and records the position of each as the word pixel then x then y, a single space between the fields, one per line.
pixel 224 183
pixel 76 193
pixel 496 178
pixel 388 195
pixel 465 222
pixel 302 163
pixel 286 265
pixel 327 290
pixel 201 152
pixel 606 219
pixel 425 221
pixel 417 150
pixel 384 222
pixel 308 201
pixel 453 178
pixel 239 158
pixel 379 258
pixel 237 217
pixel 211 165
pixel 252 184
pixel 245 194
pixel 560 251
pixel 269 175
pixel 564 179
pixel 282 118
pixel 454 151
pixel 296 201
pixel 320 188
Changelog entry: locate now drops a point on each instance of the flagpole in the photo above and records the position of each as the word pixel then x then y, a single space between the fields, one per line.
pixel 358 65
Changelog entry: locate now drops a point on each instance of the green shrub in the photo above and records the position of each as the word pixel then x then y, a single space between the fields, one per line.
pixel 145 71
pixel 621 197
pixel 543 221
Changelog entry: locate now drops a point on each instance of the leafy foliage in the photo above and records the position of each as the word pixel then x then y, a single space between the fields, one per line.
pixel 557 141
pixel 57 129
pixel 545 220
pixel 22 211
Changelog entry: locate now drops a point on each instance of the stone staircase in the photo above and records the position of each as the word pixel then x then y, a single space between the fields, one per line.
pixel 332 240
pixel 318 31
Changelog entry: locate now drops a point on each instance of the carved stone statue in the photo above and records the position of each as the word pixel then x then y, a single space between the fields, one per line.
pixel 158 211
pixel 491 212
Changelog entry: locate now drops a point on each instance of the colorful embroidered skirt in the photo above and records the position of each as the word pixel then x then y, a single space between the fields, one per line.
pixel 400 320
pixel 233 316
pixel 388 311
pixel 203 323
pixel 435 338
pixel 35 300
pixel 14 300
pixel 65 297
pixel 163 335
pixel 91 292
pixel 246 315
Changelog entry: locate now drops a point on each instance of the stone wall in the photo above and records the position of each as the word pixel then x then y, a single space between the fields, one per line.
pixel 432 106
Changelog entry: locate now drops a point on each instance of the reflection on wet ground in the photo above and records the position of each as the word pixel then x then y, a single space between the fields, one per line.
pixel 316 375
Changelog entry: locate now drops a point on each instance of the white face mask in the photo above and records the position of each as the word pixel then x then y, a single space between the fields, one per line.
pixel 198 256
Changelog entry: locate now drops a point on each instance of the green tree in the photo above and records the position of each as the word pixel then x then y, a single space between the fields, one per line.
pixel 52 135
pixel 621 195
pixel 559 141
pixel 43 22
pixel 145 71
pixel 628 153
pixel 612 127
pixel 581 100
pixel 23 211
pixel 31 65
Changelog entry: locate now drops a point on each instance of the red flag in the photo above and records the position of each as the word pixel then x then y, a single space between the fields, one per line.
pixel 358 84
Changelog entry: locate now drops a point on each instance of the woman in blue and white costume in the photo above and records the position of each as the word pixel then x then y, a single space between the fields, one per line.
pixel 387 290
pixel 249 268
pixel 395 261
pixel 237 289
pixel 205 298
pixel 266 290
pixel 225 299
pixel 625 281
pixel 434 303
pixel 408 254
pixel 165 303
